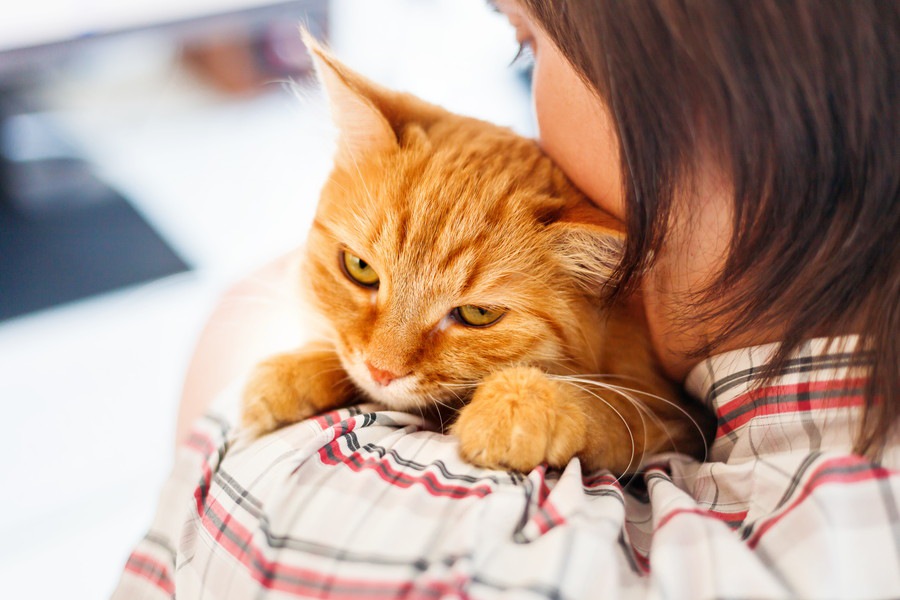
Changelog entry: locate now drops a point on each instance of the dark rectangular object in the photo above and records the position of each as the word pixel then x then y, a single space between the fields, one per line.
pixel 69 249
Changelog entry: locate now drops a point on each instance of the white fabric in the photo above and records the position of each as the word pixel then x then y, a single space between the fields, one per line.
pixel 367 503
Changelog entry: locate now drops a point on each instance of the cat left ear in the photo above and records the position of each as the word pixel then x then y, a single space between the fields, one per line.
pixel 589 244
pixel 362 127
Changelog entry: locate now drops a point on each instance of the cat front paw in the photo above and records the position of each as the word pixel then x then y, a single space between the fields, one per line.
pixel 518 419
pixel 290 387
pixel 271 399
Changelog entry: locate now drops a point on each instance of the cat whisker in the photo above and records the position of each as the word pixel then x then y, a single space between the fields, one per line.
pixel 462 393
pixel 576 384
pixel 622 389
pixel 441 419
pixel 447 384
pixel 342 381
pixel 431 397
pixel 558 364
pixel 422 415
pixel 641 411
pixel 330 370
pixel 442 401
pixel 674 405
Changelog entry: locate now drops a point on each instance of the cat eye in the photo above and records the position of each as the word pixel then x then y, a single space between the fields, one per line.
pixel 359 271
pixel 477 316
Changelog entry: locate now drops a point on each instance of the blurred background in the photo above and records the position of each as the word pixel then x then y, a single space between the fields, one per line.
pixel 152 153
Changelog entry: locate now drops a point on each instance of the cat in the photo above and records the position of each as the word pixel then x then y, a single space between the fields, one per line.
pixel 459 269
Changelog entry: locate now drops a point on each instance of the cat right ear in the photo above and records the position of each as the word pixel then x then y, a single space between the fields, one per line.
pixel 362 127
pixel 589 243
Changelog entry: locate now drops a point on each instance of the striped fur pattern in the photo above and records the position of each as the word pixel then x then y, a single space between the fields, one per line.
pixel 450 211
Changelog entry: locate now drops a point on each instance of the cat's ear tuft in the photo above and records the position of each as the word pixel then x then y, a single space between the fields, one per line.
pixel 589 244
pixel 363 128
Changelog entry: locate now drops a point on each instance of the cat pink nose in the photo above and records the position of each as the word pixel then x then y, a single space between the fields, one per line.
pixel 380 375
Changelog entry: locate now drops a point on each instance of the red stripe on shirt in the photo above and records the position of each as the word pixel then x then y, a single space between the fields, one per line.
pixel 733 520
pixel 547 518
pixel 845 470
pixel 332 454
pixel 151 570
pixel 228 533
pixel 329 419
pixel 737 415
pixel 641 560
pixel 602 479
pixel 201 443
pixel 238 541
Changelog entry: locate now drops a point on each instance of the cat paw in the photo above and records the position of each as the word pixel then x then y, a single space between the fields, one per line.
pixel 288 388
pixel 272 399
pixel 519 419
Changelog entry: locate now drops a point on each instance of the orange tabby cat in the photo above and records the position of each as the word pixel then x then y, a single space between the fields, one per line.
pixel 458 267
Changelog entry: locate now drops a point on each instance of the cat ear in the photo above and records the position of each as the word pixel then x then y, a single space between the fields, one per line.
pixel 362 126
pixel 589 243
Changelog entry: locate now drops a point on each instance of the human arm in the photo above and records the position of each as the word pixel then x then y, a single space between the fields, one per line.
pixel 255 317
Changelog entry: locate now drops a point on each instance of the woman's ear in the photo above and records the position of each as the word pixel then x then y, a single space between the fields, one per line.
pixel 363 128
pixel 589 244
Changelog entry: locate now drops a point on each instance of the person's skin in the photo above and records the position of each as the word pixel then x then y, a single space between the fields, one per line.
pixel 578 133
pixel 254 319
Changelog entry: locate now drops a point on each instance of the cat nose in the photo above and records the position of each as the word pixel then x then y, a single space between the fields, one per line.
pixel 380 375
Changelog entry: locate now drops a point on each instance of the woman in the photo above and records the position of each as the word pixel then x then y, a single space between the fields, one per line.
pixel 751 150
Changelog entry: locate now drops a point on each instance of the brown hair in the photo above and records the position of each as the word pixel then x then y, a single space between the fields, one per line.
pixel 801 102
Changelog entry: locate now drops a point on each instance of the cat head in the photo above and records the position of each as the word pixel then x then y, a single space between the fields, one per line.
pixel 445 247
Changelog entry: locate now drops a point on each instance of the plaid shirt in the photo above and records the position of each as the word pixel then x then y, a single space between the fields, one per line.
pixel 367 503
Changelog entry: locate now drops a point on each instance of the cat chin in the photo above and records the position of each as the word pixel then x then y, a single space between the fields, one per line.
pixel 400 394
pixel 396 396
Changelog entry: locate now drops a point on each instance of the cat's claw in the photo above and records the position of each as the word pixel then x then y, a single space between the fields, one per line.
pixel 519 419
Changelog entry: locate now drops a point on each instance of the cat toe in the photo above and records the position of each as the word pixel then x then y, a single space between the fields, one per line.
pixel 519 419
pixel 256 418
pixel 270 401
pixel 290 387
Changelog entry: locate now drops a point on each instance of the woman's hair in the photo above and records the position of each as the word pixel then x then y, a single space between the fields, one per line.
pixel 799 101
